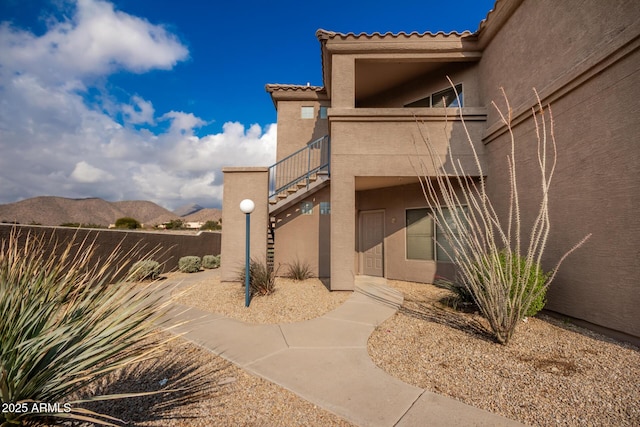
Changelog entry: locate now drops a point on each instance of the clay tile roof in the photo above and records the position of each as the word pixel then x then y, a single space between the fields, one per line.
pixel 493 14
pixel 326 35
pixel 301 88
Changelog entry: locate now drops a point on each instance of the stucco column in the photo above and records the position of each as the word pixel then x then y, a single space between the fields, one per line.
pixel 243 183
pixel 343 92
pixel 343 223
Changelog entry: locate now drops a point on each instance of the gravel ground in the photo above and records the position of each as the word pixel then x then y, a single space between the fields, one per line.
pixel 291 302
pixel 550 374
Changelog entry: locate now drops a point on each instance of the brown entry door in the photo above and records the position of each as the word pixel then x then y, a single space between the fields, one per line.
pixel 372 243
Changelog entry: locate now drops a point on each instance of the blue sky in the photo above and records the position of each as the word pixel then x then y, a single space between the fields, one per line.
pixel 149 99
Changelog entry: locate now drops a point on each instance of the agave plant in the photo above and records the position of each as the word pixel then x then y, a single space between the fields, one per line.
pixel 65 326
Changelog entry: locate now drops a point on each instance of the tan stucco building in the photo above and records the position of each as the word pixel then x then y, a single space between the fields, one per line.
pixel 344 196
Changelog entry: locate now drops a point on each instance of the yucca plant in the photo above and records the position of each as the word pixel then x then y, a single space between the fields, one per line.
pixel 64 326
pixel 493 263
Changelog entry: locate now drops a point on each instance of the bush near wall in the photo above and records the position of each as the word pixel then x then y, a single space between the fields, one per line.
pixel 211 261
pixel 190 264
pixel 143 270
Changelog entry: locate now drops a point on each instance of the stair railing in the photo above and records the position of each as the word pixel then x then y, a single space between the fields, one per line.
pixel 298 169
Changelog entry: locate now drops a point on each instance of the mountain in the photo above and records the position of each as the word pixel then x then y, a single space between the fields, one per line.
pixel 188 209
pixel 204 215
pixel 51 210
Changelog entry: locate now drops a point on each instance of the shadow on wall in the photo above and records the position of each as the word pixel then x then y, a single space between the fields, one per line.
pixel 166 248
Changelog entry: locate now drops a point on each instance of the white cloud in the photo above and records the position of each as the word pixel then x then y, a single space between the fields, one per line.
pixel 183 123
pixel 84 172
pixel 189 168
pixel 140 113
pixel 97 40
pixel 52 142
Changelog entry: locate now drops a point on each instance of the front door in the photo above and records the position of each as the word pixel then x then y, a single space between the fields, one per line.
pixel 372 243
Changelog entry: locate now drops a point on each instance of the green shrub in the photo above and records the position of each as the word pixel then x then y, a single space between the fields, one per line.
pixel 64 327
pixel 515 275
pixel 189 264
pixel 535 279
pixel 211 225
pixel 262 278
pixel 145 269
pixel 174 224
pixel 211 261
pixel 127 223
pixel 299 270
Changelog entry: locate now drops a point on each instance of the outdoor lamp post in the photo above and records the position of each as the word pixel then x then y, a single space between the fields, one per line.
pixel 247 206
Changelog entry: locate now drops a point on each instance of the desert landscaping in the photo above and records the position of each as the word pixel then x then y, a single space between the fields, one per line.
pixel 552 373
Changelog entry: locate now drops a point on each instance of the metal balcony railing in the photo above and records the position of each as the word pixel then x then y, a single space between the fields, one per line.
pixel 299 169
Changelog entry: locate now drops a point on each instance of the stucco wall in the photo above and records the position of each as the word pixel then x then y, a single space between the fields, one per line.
pixel 583 56
pixel 167 248
pixel 386 141
pixel 544 41
pixel 305 238
pixel 294 132
pixel 239 184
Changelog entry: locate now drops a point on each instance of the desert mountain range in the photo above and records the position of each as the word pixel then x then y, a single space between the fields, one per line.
pixel 51 210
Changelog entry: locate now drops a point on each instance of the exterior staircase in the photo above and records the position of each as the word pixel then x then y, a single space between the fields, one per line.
pixel 293 178
pixel 271 242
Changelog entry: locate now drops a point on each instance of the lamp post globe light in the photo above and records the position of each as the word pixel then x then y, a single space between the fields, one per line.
pixel 247 206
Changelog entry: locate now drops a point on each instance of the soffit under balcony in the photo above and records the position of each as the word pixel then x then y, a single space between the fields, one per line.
pixel 378 81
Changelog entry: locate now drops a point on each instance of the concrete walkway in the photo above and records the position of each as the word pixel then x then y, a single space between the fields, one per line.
pixel 325 361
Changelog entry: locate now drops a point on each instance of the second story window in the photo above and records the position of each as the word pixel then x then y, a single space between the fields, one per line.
pixel 306 113
pixel 440 99
pixel 323 112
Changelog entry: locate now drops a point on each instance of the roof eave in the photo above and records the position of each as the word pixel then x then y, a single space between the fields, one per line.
pixel 288 92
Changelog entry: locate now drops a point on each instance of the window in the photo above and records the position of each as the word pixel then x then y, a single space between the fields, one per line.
pixel 425 240
pixel 440 99
pixel 325 208
pixel 306 113
pixel 306 208
pixel 323 112
pixel 443 247
pixel 419 234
